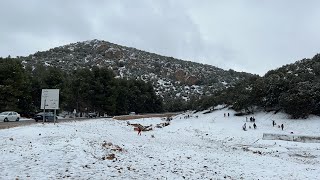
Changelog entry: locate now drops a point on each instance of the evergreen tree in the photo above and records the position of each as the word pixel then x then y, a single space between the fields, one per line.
pixel 12 83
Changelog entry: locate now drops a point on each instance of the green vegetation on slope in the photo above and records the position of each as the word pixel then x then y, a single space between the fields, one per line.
pixel 86 90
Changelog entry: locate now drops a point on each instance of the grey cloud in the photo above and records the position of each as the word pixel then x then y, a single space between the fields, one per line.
pixel 252 36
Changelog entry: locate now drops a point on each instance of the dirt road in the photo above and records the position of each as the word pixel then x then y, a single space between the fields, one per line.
pixel 5 125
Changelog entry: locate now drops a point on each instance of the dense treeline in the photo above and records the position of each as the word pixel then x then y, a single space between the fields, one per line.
pixel 294 89
pixel 86 90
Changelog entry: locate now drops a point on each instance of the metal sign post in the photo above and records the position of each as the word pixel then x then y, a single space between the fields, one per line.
pixel 55 117
pixel 44 111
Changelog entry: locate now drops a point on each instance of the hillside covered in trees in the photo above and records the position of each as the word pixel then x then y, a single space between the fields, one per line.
pixel 171 78
pixel 86 89
pixel 293 88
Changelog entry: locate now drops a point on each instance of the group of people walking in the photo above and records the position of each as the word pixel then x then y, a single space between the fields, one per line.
pixel 279 126
pixel 252 119
pixel 244 127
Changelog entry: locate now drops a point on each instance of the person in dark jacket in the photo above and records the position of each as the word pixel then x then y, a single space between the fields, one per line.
pixel 254 126
pixel 273 123
pixel 282 126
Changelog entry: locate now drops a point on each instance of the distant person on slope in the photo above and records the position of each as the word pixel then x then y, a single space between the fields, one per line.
pixel 282 126
pixel 139 131
pixel 244 127
pixel 254 126
pixel 273 123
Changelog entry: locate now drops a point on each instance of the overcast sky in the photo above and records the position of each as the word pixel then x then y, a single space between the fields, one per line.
pixel 252 36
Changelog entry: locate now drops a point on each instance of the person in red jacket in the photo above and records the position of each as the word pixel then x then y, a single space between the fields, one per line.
pixel 139 131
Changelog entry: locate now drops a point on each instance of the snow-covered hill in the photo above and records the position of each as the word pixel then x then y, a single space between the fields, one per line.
pixel 203 146
pixel 172 78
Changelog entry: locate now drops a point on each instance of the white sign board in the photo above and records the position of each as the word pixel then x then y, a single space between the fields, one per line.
pixel 50 99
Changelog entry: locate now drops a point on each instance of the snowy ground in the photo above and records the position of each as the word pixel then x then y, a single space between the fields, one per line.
pixel 208 147
pixel 26 119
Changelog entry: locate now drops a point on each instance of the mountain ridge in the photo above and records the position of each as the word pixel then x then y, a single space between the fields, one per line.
pixel 170 77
